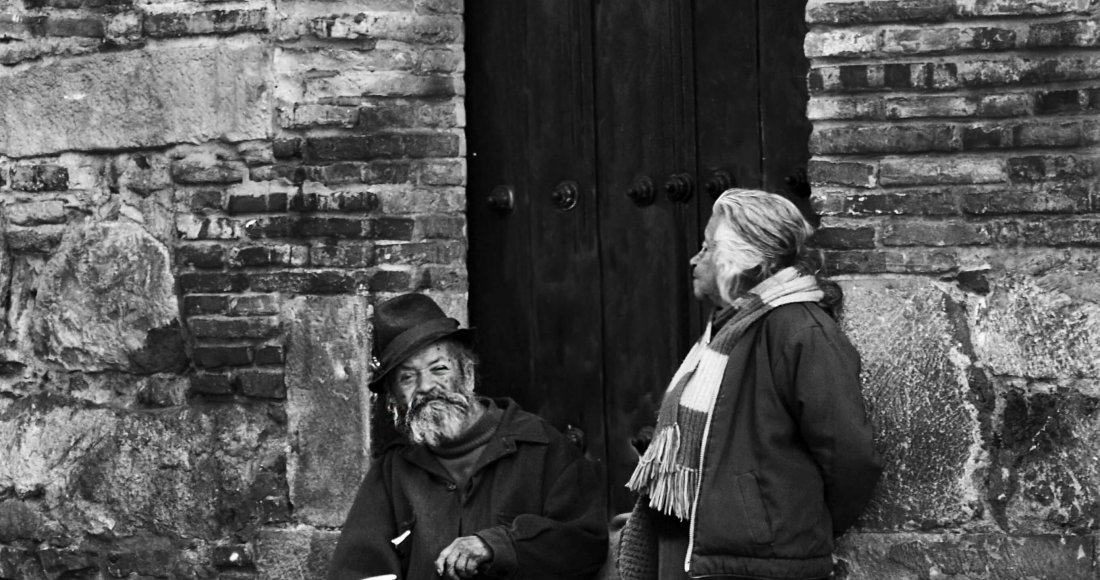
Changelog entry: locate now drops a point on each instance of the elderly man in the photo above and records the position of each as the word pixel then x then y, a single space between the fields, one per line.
pixel 476 487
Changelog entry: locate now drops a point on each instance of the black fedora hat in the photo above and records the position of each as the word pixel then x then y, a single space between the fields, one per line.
pixel 404 325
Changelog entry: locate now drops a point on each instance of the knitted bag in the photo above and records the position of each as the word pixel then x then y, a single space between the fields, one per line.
pixel 637 557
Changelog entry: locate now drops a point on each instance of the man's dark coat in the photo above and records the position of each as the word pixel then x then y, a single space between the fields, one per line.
pixel 533 498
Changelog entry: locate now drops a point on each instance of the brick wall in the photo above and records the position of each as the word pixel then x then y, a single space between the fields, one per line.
pixel 955 162
pixel 200 202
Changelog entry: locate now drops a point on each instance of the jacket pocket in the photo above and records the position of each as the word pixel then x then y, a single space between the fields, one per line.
pixel 754 512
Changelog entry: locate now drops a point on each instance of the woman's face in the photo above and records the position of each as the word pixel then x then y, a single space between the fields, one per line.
pixel 704 271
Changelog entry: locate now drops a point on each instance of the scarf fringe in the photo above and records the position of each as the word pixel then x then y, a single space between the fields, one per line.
pixel 670 486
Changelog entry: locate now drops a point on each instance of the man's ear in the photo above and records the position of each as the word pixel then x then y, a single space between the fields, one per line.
pixel 468 375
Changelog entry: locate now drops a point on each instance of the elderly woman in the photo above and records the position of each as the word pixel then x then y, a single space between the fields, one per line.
pixel 762 454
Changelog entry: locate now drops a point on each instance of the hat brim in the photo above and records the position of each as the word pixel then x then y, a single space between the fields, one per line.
pixel 414 339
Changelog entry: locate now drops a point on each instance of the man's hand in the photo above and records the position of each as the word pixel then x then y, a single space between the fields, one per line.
pixel 461 559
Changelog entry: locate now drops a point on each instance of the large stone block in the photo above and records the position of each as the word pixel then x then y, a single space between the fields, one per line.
pixel 327 358
pixel 149 98
pixel 1041 319
pixel 183 473
pixel 973 557
pixel 1048 479
pixel 300 553
pixel 107 300
pixel 915 366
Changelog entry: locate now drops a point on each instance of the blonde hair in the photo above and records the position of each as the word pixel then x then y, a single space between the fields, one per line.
pixel 756 234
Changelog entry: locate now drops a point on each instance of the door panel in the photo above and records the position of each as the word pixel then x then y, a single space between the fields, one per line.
pixel 566 320
pixel 584 313
pixel 644 129
pixel 499 260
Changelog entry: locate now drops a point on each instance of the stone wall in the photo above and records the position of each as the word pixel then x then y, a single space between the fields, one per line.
pixel 200 202
pixel 955 159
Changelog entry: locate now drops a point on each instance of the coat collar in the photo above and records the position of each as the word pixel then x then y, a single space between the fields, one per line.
pixel 516 426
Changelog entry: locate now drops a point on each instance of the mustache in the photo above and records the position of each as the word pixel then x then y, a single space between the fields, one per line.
pixel 439 395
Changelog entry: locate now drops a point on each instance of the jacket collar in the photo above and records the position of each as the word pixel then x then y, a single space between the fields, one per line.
pixel 516 426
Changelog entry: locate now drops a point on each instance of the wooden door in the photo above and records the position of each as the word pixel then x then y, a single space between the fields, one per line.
pixel 598 131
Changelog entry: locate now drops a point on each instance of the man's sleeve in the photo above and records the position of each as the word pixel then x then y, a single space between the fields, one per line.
pixel 824 370
pixel 568 539
pixel 364 549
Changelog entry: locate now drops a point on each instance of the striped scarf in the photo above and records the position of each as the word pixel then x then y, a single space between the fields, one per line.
pixel 669 471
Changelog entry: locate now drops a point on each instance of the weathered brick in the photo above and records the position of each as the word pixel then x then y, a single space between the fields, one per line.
pixel 402 113
pixel 42 239
pixel 440 6
pixel 935 233
pixel 226 327
pixel 854 261
pixel 253 305
pixel 209 282
pixel 1048 167
pixel 852 173
pixel 311 282
pixel 36 213
pixel 401 27
pixel 1006 105
pixel 336 173
pixel 270 354
pixel 393 228
pixel 204 256
pixel 207 169
pixel 846 13
pixel 1044 199
pixel 972 73
pixel 211 384
pixel 930 106
pixel 253 203
pixel 287 148
pixel 391 281
pixel 934 40
pixel 884 139
pixel 205 199
pixel 441 226
pixel 1062 232
pixel 262 256
pixel 841 42
pixel 74 26
pixel 306 115
pixel 438 277
pixel 43 177
pixel 845 237
pixel 205 304
pixel 1020 7
pixel 1066 134
pixel 445 60
pixel 986 137
pixel 386 172
pixel 339 200
pixel 215 357
pixel 342 255
pixel 417 253
pixel 920 202
pixel 1074 33
pixel 845 107
pixel 1052 102
pixel 264 384
pixel 394 202
pixel 170 24
pixel 368 147
pixel 442 172
pixel 194 227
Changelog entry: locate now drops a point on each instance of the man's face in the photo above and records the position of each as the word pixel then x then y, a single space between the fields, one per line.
pixel 430 395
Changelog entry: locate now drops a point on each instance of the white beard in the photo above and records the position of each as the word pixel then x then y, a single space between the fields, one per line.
pixel 435 417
